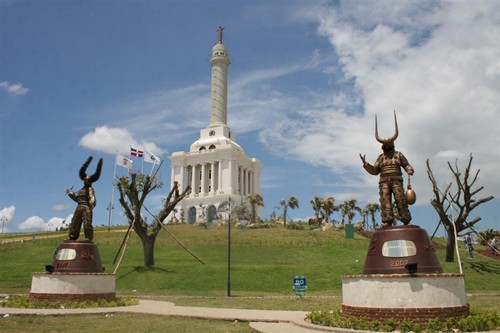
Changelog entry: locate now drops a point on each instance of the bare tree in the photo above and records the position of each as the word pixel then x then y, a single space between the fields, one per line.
pixel 133 192
pixel 461 201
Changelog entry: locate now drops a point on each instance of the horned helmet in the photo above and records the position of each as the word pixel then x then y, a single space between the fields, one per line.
pixel 387 143
pixel 88 180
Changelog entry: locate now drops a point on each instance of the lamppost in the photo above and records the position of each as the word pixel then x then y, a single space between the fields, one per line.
pixel 110 208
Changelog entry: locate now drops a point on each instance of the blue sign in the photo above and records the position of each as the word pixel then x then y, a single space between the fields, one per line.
pixel 300 285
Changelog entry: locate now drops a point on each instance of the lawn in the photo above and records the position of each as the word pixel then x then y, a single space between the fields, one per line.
pixel 263 262
pixel 263 265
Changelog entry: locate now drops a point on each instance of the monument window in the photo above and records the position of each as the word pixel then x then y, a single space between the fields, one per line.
pixel 203 148
pixel 212 147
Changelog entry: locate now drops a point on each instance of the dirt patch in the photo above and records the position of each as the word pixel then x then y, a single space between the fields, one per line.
pixel 488 253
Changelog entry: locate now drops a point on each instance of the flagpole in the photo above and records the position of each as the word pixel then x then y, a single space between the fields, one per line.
pixel 152 168
pixel 129 156
pixel 143 153
pixel 111 205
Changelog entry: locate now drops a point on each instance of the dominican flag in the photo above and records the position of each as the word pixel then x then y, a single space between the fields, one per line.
pixel 136 152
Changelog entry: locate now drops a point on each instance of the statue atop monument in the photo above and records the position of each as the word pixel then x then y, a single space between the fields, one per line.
pixel 86 200
pixel 388 165
pixel 220 30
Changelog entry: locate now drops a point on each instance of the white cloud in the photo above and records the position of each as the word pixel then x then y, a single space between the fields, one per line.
pixel 167 115
pixel 442 80
pixel 57 222
pixel 60 207
pixel 112 140
pixel 13 88
pixel 435 63
pixel 6 216
pixel 36 223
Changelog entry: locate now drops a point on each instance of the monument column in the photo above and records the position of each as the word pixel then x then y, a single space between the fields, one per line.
pixel 245 175
pixel 218 98
pixel 219 181
pixel 212 177
pixel 182 183
pixel 193 180
pixel 203 179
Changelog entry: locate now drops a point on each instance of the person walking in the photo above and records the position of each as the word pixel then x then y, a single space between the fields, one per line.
pixel 470 247
pixel 494 246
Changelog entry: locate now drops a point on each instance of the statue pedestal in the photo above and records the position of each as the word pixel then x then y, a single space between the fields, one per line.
pixel 403 280
pixel 401 250
pixel 76 256
pixel 72 286
pixel 76 273
pixel 418 297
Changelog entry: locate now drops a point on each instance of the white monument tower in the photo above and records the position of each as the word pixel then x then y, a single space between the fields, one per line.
pixel 215 167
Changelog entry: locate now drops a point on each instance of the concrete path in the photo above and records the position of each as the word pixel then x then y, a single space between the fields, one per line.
pixel 265 321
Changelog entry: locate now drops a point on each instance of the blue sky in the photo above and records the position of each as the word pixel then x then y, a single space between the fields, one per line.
pixel 80 78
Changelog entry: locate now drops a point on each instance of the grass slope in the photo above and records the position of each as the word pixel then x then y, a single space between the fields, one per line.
pixel 263 262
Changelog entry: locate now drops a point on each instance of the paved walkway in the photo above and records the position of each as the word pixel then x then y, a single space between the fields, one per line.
pixel 265 321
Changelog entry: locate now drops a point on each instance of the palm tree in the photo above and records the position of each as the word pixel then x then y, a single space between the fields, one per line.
pixel 364 214
pixel 328 207
pixel 255 200
pixel 371 209
pixel 316 204
pixel 293 203
pixel 348 208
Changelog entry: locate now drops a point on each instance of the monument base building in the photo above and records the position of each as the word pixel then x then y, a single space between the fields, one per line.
pixel 216 167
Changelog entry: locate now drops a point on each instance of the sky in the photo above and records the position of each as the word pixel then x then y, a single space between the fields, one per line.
pixel 92 78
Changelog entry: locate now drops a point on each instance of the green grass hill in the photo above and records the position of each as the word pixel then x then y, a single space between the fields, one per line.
pixel 263 262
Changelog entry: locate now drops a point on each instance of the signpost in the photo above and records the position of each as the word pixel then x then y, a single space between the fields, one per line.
pixel 299 285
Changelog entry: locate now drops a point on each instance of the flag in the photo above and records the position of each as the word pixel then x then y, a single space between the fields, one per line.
pixel 123 161
pixel 136 152
pixel 150 158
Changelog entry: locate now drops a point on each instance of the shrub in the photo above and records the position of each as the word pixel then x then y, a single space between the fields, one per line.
pixel 24 302
pixel 295 226
pixel 476 321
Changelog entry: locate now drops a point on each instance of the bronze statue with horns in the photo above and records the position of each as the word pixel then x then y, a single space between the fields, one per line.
pixel 86 200
pixel 389 165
